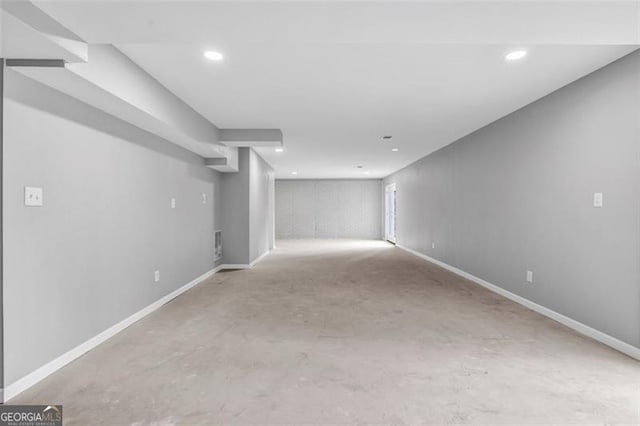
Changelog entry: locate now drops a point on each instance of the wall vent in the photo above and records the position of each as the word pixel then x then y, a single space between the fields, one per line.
pixel 217 243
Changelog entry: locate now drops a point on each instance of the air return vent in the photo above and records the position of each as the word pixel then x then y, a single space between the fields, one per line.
pixel 217 245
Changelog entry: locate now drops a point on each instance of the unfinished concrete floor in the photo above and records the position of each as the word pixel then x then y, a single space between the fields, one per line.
pixel 344 332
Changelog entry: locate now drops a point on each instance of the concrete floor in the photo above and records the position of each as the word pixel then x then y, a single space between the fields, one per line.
pixel 344 332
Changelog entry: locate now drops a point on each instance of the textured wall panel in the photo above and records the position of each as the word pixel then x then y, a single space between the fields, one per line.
pixel 329 209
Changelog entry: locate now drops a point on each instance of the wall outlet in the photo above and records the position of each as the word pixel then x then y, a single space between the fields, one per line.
pixel 156 276
pixel 173 203
pixel 204 198
pixel 32 196
pixel 597 199
pixel 530 276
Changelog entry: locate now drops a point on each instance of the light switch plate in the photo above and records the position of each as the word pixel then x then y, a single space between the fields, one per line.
pixel 530 276
pixel 597 199
pixel 156 276
pixel 173 203
pixel 32 196
pixel 204 198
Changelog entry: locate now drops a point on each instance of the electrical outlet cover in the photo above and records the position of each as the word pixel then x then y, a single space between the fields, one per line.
pixel 32 196
pixel 597 199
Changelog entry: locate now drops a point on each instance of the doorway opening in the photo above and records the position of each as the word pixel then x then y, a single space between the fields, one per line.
pixel 390 213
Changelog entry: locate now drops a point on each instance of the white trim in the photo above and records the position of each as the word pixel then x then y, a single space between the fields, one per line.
pixel 601 337
pixel 236 266
pixel 34 377
pixel 259 258
pixel 391 188
pixel 245 265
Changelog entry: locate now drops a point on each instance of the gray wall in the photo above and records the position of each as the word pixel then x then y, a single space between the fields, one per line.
pixel 261 219
pixel 517 195
pixel 235 215
pixel 246 222
pixel 329 209
pixel 86 259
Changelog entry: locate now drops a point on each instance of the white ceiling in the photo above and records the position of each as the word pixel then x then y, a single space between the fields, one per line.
pixel 336 76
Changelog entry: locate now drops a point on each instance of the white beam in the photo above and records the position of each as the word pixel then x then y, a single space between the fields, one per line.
pixel 227 164
pixel 28 32
pixel 113 83
pixel 251 137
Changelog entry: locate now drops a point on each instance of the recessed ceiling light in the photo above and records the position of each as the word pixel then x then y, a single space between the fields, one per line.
pixel 359 166
pixel 515 55
pixel 395 149
pixel 279 149
pixel 294 173
pixel 212 55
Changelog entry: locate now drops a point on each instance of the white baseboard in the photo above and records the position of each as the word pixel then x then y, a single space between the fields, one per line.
pixel 245 265
pixel 601 337
pixel 259 258
pixel 34 377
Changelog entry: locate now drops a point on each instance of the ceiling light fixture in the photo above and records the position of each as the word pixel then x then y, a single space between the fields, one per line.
pixel 386 138
pixel 395 149
pixel 515 55
pixel 212 55
pixel 359 166
pixel 279 149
